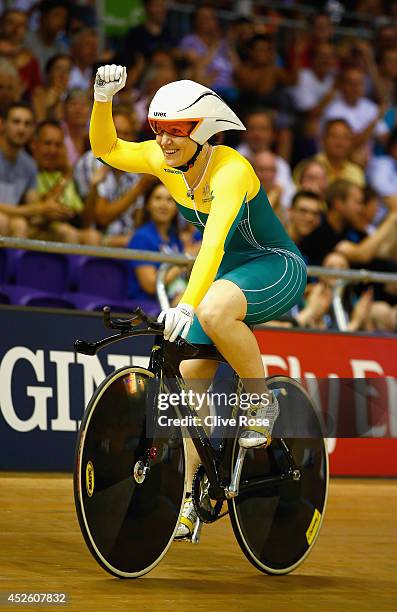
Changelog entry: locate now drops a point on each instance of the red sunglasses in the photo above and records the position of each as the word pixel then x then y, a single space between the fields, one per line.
pixel 183 127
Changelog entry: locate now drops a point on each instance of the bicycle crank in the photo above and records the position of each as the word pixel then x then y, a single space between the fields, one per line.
pixel 207 509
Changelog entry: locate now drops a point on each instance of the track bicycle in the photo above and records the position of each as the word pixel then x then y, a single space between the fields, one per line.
pixel 129 478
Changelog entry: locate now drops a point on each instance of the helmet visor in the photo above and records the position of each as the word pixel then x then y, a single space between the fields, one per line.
pixel 181 128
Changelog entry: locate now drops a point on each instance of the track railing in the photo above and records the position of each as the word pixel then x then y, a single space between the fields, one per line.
pixel 344 277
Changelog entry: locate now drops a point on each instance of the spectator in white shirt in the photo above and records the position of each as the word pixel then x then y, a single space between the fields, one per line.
pixel 84 54
pixel 363 115
pixel 260 136
pixel 315 86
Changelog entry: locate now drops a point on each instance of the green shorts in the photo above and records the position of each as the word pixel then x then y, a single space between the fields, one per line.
pixel 272 284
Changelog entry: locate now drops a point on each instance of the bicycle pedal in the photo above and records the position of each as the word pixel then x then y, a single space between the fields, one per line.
pixel 194 537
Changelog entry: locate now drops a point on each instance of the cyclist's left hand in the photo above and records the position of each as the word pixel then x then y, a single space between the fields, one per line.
pixel 176 321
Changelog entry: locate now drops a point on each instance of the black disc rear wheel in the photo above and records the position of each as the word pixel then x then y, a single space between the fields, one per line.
pixel 128 516
pixel 277 523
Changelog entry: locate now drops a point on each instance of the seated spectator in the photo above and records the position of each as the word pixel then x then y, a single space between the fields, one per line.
pixel 382 173
pixel 48 99
pixel 155 77
pixel 385 87
pixel 72 220
pixel 18 195
pixel 154 33
pixel 260 80
pixel 45 42
pixel 10 85
pixel 157 232
pixel 84 52
pixel 315 86
pixel 265 166
pixel 240 31
pixel 313 177
pixel 318 311
pixel 76 116
pixel 113 196
pixel 373 213
pixel 14 26
pixel 385 80
pixel 338 230
pixel 337 144
pixel 304 215
pixel 363 115
pixel 385 36
pixel 320 31
pixel 209 55
pixel 260 136
pixel 382 317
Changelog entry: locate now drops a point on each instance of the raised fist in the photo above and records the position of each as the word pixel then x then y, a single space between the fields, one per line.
pixel 108 81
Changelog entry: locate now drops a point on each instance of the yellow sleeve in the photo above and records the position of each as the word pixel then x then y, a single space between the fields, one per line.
pixel 140 157
pixel 230 184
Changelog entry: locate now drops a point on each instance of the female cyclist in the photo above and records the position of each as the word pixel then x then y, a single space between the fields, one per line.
pixel 248 270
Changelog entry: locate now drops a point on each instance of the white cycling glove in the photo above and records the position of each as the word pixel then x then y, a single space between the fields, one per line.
pixel 108 81
pixel 177 321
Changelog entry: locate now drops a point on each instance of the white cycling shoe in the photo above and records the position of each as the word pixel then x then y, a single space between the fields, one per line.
pixel 260 435
pixel 187 521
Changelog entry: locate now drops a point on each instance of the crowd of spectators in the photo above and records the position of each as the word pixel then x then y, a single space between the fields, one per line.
pixel 319 103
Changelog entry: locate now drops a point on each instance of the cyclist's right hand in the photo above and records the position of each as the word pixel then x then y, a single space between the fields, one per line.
pixel 108 81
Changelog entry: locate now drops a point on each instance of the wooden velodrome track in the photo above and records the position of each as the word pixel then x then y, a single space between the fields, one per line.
pixel 353 566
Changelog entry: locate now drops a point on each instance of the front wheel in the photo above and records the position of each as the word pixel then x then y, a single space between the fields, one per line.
pixel 277 521
pixel 128 516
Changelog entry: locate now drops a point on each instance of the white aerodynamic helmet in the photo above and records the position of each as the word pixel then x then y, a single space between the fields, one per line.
pixel 191 103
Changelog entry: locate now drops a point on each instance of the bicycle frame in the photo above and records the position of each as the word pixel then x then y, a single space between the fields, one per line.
pixel 165 360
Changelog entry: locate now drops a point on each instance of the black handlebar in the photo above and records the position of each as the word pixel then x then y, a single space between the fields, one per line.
pixel 127 328
pixel 124 325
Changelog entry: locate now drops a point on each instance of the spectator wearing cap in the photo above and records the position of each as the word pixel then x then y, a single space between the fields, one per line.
pixel 45 42
pixel 337 141
pixel 84 51
pixel 14 26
